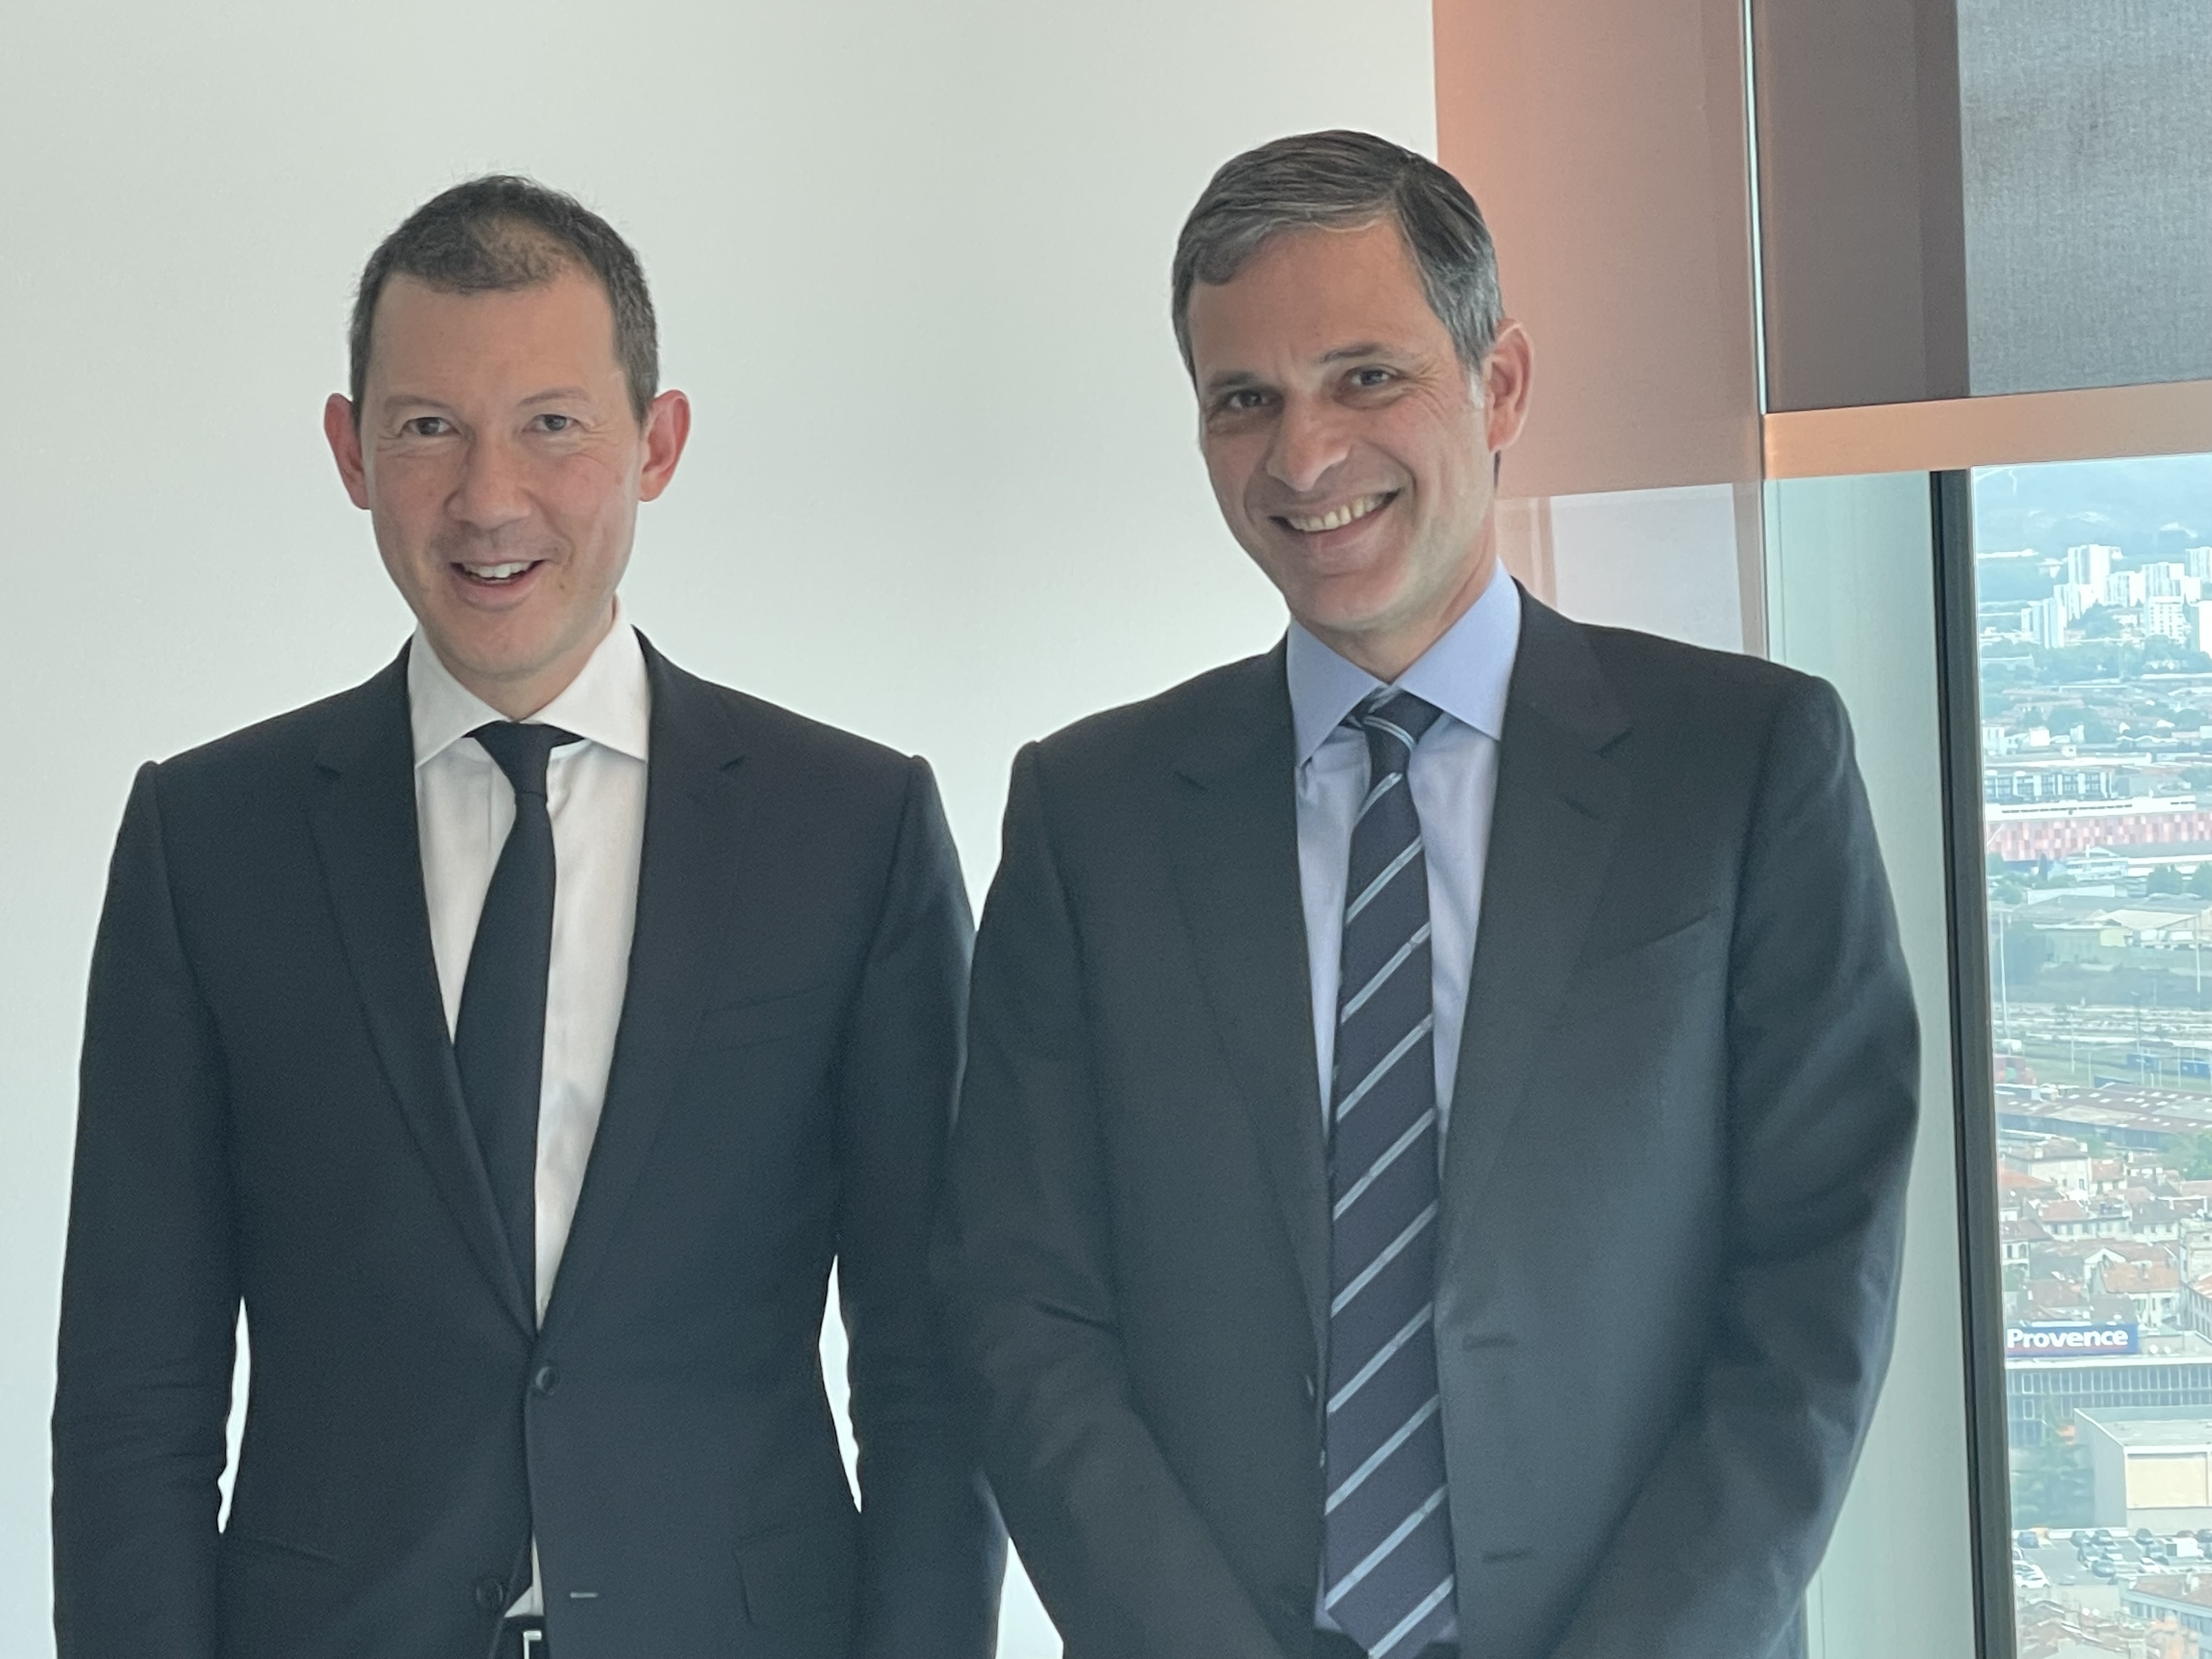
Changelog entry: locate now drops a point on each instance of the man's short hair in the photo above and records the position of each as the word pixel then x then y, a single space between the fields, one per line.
pixel 500 233
pixel 1336 180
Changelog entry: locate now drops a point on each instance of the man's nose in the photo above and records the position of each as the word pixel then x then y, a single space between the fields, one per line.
pixel 1309 441
pixel 490 492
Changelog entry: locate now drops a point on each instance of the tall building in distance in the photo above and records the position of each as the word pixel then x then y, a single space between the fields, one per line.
pixel 2044 622
pixel 2197 561
pixel 2090 564
pixel 2165 617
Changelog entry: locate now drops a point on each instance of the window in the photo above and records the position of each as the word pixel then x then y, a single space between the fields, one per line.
pixel 2092 620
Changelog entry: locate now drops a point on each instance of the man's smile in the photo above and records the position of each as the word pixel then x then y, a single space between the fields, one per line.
pixel 1336 518
pixel 494 576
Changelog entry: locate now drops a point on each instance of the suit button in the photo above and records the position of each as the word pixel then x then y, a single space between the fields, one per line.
pixel 491 1594
pixel 547 1380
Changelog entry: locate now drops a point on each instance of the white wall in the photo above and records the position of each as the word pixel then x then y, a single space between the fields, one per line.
pixel 910 261
pixel 1665 561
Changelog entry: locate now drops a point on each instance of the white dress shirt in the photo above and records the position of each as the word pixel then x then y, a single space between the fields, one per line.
pixel 1453 775
pixel 595 794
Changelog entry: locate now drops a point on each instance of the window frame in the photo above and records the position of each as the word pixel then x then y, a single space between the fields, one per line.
pixel 1974 1104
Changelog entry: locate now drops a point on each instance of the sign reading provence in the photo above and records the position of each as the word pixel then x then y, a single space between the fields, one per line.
pixel 2057 1341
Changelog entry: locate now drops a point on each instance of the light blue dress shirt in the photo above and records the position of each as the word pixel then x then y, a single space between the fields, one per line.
pixel 1454 777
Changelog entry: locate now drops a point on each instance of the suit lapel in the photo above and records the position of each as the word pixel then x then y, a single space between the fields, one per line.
pixel 696 814
pixel 1233 840
pixel 364 819
pixel 1551 841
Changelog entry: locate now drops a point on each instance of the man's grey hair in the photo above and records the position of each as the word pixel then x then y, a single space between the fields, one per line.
pixel 1338 180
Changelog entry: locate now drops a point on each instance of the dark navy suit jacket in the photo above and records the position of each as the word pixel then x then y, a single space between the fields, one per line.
pixel 1672 1192
pixel 270 1115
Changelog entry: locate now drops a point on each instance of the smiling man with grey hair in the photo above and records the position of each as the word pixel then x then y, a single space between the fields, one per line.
pixel 1430 1168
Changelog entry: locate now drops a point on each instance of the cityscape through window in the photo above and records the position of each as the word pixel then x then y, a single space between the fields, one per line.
pixel 2093 614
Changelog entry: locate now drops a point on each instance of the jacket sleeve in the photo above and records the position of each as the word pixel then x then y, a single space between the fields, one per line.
pixel 1823 1086
pixel 149 1287
pixel 1120 1557
pixel 932 1548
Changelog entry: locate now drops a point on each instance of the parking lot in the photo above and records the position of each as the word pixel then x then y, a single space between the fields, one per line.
pixel 2077 1582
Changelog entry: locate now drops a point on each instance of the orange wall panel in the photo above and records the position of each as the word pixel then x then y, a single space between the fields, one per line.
pixel 1605 142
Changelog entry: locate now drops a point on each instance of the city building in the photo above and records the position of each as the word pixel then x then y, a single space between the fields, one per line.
pixel 2024 834
pixel 2148 1467
pixel 2040 779
pixel 2090 563
pixel 2170 1375
pixel 2184 1599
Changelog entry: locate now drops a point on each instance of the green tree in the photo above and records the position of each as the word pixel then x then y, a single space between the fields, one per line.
pixel 2164 878
pixel 2200 881
pixel 2101 622
pixel 2051 1485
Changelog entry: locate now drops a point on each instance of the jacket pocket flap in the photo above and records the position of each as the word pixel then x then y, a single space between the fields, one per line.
pixel 799 1574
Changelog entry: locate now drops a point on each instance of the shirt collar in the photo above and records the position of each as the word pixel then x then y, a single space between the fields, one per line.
pixel 1465 673
pixel 608 702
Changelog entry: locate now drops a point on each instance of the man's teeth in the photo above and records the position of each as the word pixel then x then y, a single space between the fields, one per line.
pixel 496 573
pixel 1338 518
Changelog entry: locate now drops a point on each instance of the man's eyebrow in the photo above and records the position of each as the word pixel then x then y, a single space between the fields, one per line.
pixel 1229 380
pixel 1364 348
pixel 556 394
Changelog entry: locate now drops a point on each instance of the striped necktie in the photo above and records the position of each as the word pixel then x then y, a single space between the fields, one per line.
pixel 1386 1552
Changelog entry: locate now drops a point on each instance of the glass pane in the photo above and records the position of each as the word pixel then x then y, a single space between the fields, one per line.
pixel 2094 611
pixel 1850 596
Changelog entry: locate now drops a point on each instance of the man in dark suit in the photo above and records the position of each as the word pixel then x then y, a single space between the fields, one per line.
pixel 1430 1172
pixel 519 1036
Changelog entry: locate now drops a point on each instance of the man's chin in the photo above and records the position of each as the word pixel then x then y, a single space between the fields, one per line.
pixel 503 660
pixel 1350 609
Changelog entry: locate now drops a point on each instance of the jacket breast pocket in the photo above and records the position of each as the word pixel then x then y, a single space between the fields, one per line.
pixel 751 1021
pixel 1694 946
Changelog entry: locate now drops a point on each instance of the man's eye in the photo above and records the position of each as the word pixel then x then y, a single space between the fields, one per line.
pixel 557 422
pixel 1371 376
pixel 1238 403
pixel 427 426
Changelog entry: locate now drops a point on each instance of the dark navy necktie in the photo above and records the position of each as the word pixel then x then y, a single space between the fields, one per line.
pixel 1386 1552
pixel 498 1040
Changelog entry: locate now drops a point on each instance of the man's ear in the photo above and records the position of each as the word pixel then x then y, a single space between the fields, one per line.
pixel 667 426
pixel 343 434
pixel 1505 375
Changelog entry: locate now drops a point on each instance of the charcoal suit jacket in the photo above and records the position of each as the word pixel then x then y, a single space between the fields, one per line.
pixel 1671 1185
pixel 270 1115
